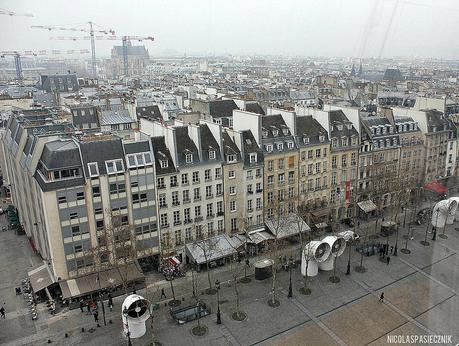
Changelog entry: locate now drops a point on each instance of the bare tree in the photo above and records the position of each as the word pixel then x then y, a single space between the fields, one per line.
pixel 305 236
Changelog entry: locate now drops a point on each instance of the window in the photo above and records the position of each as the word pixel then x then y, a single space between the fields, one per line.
pixel 231 174
pixel 188 235
pixel 208 191
pixel 93 169
pixel 218 173
pixel 117 188
pixel 195 177
pixel 253 158
pixel 291 192
pixel 184 178
pixel 95 191
pixel 220 208
pixel 163 220
pixel 249 205
pixel 334 143
pixel 344 160
pixel 317 167
pixel 98 211
pixel 176 216
pixel 61 199
pixel 197 193
pixel 270 165
pixel 99 225
pixel 291 177
pixel 281 164
pixel 210 229
pixel 270 197
pixel 334 164
pixel 249 188
pixel 344 141
pixel 75 231
pixel 232 190
pixel 211 154
pixel 321 138
pixel 317 184
pixel 114 166
pixel 310 168
pixel 186 196
pixel 219 188
pixel 173 180
pixel 161 184
pixel 189 158
pixel 233 225
pixel 281 178
pixel 210 211
pixel 258 187
pixel 197 211
pixel 280 146
pixel 73 216
pixel 290 145
pixel 134 183
pixel 310 152
pixel 249 175
pixel 310 185
pixel 259 204
pixel 162 201
pixel 207 176
pixel 232 206
pixel 231 158
pixel 178 237
pixel 258 173
pixel 305 140
pixel 270 179
pixel 163 163
pixel 269 148
pixel 318 151
pixel 175 199
pixel 77 248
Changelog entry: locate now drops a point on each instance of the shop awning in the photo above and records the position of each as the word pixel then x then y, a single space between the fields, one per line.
pixel 321 212
pixel 367 206
pixel 40 277
pixel 259 237
pixel 212 248
pixel 436 187
pixel 173 261
pixel 287 227
pixel 109 278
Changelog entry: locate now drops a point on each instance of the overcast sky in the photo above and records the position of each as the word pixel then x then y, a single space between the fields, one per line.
pixel 355 28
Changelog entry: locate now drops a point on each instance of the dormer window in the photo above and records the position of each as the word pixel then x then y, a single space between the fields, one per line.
pixel 340 127
pixel 189 158
pixel 321 138
pixel 349 126
pixel 93 169
pixel 211 154
pixel 290 145
pixel 306 140
pixel 344 141
pixel 434 129
pixel 231 158
pixel 280 146
pixel 265 134
pixel 253 158
pixel 138 160
pixel 248 141
pixel 114 166
pixel 383 130
pixel 375 145
pixel 334 143
pixel 391 129
pixel 269 148
pixel 275 133
pixel 164 163
pixel 285 132
pixel 378 131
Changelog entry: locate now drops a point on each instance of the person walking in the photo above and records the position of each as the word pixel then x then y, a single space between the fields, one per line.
pixel 81 305
pixel 96 317
pixel 163 294
pixel 2 312
pixel 381 297
pixel 88 308
pixel 110 302
pixel 388 260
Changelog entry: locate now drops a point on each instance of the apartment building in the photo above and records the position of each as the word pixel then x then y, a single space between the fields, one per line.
pixel 189 184
pixel 314 155
pixel 379 161
pixel 77 193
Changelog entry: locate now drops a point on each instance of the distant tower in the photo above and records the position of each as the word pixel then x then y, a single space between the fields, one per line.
pixel 353 70
pixel 360 74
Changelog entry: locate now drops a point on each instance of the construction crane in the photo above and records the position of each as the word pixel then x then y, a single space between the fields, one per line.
pixel 11 13
pixel 124 39
pixel 17 56
pixel 91 37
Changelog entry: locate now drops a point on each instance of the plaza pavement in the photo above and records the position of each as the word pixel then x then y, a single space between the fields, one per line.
pixel 420 299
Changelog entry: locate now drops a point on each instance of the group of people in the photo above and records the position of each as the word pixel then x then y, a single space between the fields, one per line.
pixel 92 307
pixel 384 251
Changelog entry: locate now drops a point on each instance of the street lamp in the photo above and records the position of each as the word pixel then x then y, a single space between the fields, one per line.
pixel 290 265
pixel 125 314
pixel 348 270
pixel 219 319
pixel 396 241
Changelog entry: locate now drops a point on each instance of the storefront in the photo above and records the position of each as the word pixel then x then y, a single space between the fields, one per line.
pixel 366 208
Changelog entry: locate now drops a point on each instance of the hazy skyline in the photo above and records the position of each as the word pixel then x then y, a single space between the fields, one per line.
pixel 357 28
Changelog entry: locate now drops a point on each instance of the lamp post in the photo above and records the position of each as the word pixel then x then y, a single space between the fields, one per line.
pixel 217 285
pixel 125 314
pixel 396 242
pixel 290 290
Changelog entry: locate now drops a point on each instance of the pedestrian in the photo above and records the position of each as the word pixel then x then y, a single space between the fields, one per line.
pixel 2 312
pixel 110 302
pixel 388 260
pixel 381 297
pixel 81 305
pixel 96 316
pixel 391 249
pixel 88 308
pixel 163 294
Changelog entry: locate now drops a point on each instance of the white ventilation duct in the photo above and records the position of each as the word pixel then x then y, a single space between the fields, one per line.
pixel 442 211
pixel 337 245
pixel 452 209
pixel 135 311
pixel 313 253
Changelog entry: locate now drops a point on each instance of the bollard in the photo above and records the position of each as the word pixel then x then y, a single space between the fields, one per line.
pixel 49 341
pixel 98 325
pixel 82 330
pixel 183 299
pixel 110 321
pixel 66 335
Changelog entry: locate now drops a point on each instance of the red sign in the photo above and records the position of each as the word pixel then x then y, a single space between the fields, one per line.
pixel 348 190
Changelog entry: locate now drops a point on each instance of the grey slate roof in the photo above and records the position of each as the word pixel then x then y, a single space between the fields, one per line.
pixel 60 154
pixel 307 126
pixel 338 117
pixel 229 147
pixel 185 145
pixel 149 112
pixel 254 108
pixel 161 152
pixel 222 108
pixel 136 147
pixel 208 143
pixel 100 150
pixel 115 117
